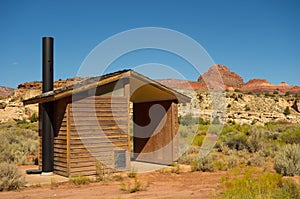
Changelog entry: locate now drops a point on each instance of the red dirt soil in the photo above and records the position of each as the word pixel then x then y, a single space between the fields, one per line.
pixel 158 185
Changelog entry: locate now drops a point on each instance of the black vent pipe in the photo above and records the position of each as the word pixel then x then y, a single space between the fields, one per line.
pixel 47 108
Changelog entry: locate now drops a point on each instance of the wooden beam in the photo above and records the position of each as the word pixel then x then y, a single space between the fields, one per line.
pixel 68 138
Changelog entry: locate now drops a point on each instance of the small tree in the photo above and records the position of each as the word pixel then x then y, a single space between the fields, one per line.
pixel 287 94
pixel 287 111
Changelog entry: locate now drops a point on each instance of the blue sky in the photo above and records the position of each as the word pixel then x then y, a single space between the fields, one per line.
pixel 257 38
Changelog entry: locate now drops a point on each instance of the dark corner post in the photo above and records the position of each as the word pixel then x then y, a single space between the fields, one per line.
pixel 47 108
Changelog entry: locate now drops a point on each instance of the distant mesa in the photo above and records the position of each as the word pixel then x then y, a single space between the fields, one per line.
pixel 231 81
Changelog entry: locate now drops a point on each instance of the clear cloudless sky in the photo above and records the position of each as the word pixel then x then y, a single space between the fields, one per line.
pixel 256 39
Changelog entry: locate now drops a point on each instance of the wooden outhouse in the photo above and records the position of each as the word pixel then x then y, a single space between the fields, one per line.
pixel 112 119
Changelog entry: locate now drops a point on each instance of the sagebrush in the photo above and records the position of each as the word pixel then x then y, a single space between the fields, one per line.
pixel 287 161
pixel 10 177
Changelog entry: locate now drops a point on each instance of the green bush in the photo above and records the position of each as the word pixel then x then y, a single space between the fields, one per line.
pixel 262 185
pixel 287 94
pixel 247 108
pixel 255 140
pixel 236 140
pixel 33 118
pixel 10 177
pixel 198 140
pixel 287 161
pixel 287 111
pixel 188 120
pixel 80 180
pixel 18 145
pixel 290 136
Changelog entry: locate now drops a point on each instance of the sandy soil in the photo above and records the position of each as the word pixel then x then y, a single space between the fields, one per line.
pixel 157 185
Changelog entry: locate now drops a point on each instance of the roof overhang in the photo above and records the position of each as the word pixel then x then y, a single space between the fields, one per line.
pixel 142 89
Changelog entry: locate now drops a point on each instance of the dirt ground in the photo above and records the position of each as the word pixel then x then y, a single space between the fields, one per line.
pixel 156 185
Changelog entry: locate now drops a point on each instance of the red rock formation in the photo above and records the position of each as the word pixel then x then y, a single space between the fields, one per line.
pixel 262 85
pixel 180 84
pixel 230 79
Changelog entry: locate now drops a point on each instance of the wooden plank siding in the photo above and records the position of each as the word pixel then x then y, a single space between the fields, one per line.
pixel 98 126
pixel 60 138
pixel 156 142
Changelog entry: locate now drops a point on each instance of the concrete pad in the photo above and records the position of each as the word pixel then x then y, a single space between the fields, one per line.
pixel 38 179
pixel 142 167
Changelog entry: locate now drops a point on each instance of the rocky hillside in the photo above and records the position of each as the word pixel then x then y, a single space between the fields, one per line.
pixel 245 108
pixel 255 102
pixel 5 92
pixel 11 106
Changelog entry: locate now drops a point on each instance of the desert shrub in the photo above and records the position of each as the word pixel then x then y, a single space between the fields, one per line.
pixel 132 173
pixel 187 159
pixel 80 180
pixel 17 144
pixel 188 120
pixel 290 136
pixel 231 161
pixel 275 93
pixel 236 140
pixel 216 121
pixel 269 149
pixel 287 94
pixel 184 131
pixel 257 160
pixel 224 149
pixel 237 90
pixel 255 140
pixel 261 185
pixel 287 111
pixel 135 187
pixel 231 122
pixel 204 164
pixel 244 156
pixel 287 161
pixel 33 118
pixel 247 108
pixel 220 165
pixel 269 95
pixel 289 189
pixel 198 140
pixel 10 177
pixel 103 173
